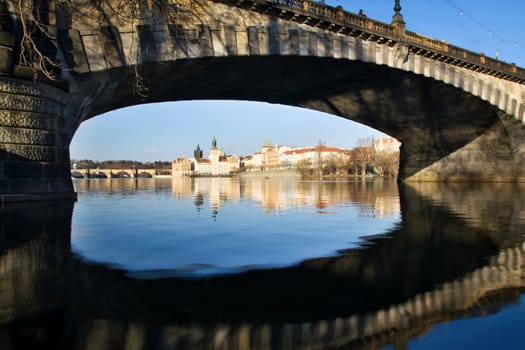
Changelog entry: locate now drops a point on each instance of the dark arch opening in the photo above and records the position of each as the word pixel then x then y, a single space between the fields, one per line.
pixel 430 118
pixel 145 175
pixel 122 175
pixel 77 175
pixel 99 175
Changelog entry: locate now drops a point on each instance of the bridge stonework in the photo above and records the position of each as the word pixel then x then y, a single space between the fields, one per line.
pixel 459 115
pixel 111 173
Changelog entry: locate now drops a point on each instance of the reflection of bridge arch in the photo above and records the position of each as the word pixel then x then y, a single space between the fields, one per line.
pixel 498 282
pixel 457 113
pixel 321 303
pixel 366 294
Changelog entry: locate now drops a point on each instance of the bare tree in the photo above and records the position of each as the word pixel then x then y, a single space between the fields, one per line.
pixel 304 166
pixel 319 159
pixel 36 21
pixel 363 154
pixel 387 163
pixel 35 26
pixel 330 165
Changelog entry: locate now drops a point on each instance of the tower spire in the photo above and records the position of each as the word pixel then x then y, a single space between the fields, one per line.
pixel 197 153
pixel 397 7
pixel 397 21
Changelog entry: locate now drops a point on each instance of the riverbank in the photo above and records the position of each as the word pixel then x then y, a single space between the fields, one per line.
pixel 271 173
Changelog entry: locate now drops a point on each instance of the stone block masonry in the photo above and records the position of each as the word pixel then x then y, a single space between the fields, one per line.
pixel 458 114
pixel 34 141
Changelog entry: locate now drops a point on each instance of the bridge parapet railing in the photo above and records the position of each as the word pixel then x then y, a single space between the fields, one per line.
pixel 486 62
pixel 319 9
pixel 337 13
pixel 312 7
pixel 467 56
pixel 368 25
pixel 413 38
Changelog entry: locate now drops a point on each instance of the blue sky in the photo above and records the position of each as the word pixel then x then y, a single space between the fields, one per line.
pixel 174 129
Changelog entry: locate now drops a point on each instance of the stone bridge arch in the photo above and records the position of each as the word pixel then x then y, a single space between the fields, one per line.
pixel 101 173
pixel 459 115
pixel 122 173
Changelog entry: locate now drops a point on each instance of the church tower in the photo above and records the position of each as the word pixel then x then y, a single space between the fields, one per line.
pixel 197 153
pixel 214 152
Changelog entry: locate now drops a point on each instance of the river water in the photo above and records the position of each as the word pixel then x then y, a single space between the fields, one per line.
pixel 265 263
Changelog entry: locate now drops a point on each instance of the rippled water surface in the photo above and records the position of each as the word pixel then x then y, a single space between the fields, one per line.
pixel 265 263
pixel 206 226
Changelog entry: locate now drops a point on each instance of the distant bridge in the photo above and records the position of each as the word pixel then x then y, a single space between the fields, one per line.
pixel 112 173
pixel 458 114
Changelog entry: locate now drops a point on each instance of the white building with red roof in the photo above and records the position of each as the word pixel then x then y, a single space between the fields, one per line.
pixel 386 145
pixel 217 163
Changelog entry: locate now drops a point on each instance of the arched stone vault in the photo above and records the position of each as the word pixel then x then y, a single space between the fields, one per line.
pixel 431 119
pixel 459 115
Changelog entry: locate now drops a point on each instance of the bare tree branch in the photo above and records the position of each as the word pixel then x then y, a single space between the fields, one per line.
pixel 30 54
pixel 35 30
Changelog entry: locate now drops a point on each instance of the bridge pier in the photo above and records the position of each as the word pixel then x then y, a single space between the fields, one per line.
pixel 449 107
pixel 34 141
pixel 495 155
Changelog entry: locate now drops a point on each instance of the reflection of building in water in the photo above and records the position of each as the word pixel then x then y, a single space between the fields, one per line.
pixel 214 190
pixel 324 194
pixel 278 194
pixel 270 195
pixel 273 194
pixel 43 281
pixel 216 195
pixel 283 194
pixel 217 163
pixel 181 187
pixel 385 207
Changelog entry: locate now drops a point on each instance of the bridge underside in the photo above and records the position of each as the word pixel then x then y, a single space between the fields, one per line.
pixel 447 134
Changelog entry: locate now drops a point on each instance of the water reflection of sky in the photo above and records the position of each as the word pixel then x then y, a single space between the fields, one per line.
pixel 450 276
pixel 502 330
pixel 231 226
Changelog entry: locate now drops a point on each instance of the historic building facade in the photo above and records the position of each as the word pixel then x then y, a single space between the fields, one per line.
pixel 217 163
